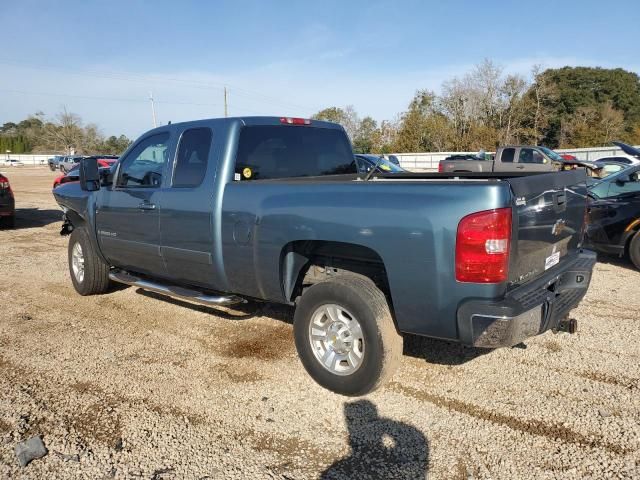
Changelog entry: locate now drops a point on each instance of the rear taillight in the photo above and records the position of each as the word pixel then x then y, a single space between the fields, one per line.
pixel 295 121
pixel 4 183
pixel 440 167
pixel 482 246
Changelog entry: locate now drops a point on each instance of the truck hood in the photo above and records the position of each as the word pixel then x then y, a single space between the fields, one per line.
pixel 628 149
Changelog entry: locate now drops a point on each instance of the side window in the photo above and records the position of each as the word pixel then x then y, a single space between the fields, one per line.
pixel 622 160
pixel 192 158
pixel 529 155
pixel 631 186
pixel 538 157
pixel 143 166
pixel 507 155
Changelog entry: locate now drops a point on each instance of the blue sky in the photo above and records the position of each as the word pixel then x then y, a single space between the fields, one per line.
pixel 101 59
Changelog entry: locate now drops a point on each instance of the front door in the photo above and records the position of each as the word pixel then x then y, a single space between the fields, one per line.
pixel 532 160
pixel 128 213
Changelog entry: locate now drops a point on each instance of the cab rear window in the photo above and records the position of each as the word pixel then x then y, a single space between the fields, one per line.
pixel 268 151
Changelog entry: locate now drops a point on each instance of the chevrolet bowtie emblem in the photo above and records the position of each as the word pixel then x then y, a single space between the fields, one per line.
pixel 558 227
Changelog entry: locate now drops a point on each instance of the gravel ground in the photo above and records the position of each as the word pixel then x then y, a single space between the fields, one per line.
pixel 128 385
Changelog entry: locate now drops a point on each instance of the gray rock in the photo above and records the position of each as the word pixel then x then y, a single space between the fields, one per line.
pixel 30 450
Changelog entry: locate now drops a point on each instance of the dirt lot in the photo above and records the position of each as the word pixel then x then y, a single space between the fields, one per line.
pixel 139 387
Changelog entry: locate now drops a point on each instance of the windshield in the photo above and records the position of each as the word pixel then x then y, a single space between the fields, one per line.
pixel 551 154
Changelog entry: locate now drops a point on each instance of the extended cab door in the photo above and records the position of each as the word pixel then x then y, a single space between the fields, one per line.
pixel 127 215
pixel 504 160
pixel 186 219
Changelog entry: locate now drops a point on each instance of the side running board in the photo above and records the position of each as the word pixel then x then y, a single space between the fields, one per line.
pixel 174 291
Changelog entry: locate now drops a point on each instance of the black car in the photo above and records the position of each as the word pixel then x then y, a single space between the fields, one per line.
pixel 365 162
pixel 614 214
pixel 7 204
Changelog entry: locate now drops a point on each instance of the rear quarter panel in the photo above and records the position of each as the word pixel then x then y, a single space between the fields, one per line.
pixel 410 225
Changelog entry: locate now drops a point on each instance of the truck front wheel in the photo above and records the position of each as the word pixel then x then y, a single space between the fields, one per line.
pixel 345 335
pixel 89 273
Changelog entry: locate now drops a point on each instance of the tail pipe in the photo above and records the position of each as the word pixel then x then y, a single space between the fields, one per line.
pixel 175 291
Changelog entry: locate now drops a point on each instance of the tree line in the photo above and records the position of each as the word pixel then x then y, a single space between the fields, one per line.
pixel 64 134
pixel 567 107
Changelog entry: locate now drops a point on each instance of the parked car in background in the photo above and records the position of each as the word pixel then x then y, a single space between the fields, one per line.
pixel 271 208
pixel 68 162
pixel 630 155
pixel 54 161
pixel 608 167
pixel 614 214
pixel 11 162
pixel 7 203
pixel 74 174
pixel 365 162
pixel 513 158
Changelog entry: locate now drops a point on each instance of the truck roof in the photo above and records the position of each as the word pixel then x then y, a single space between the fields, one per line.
pixel 250 120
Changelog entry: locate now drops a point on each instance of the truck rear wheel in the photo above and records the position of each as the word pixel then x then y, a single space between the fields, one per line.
pixel 634 250
pixel 89 273
pixel 345 335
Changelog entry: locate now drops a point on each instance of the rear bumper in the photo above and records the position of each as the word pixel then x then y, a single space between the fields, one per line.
pixel 527 310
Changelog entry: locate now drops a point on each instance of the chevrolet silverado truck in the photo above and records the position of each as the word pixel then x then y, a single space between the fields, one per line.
pixel 507 159
pixel 272 209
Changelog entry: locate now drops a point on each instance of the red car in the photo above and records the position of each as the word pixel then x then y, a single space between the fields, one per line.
pixel 7 203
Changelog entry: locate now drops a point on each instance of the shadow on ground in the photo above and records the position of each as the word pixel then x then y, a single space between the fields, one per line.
pixel 381 448
pixel 428 349
pixel 440 351
pixel 35 217
pixel 623 262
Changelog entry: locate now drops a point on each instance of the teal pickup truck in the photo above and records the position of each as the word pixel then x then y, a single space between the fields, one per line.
pixel 273 209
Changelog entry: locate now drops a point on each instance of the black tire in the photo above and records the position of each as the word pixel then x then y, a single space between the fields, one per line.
pixel 96 272
pixel 382 343
pixel 8 222
pixel 634 250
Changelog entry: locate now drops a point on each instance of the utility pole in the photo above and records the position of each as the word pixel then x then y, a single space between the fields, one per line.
pixel 226 113
pixel 153 110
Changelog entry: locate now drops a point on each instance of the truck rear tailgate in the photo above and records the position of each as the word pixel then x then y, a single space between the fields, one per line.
pixel 549 220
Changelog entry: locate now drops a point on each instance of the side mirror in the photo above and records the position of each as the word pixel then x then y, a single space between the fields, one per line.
pixel 622 180
pixel 89 174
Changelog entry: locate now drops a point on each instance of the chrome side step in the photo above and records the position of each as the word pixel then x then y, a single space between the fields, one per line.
pixel 174 291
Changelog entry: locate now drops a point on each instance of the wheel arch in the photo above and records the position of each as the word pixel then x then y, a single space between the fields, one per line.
pixel 298 258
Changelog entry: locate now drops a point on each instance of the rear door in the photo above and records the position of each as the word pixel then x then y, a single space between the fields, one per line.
pixel 186 222
pixel 505 161
pixel 127 215
pixel 550 212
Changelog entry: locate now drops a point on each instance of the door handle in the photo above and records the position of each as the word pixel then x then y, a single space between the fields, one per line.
pixel 147 206
pixel 520 166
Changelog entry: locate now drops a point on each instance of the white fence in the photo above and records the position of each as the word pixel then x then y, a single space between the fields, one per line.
pixel 430 160
pixel 27 158
pixel 410 161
